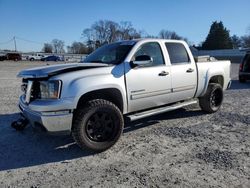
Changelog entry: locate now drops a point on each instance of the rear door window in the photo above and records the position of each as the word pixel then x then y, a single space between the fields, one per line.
pixel 177 53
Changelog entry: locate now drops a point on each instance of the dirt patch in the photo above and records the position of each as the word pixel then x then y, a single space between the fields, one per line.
pixel 230 118
pixel 219 159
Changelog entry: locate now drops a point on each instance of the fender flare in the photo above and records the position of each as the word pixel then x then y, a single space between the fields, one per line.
pixel 98 89
pixel 212 72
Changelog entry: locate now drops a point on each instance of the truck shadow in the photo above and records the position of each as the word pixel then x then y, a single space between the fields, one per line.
pixel 30 148
pixel 176 114
pixel 236 85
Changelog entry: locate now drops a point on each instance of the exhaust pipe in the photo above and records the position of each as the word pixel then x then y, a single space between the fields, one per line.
pixel 20 124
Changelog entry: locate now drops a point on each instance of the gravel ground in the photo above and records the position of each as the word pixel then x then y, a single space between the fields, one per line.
pixel 183 148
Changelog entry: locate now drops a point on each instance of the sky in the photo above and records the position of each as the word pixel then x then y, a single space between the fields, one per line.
pixel 35 22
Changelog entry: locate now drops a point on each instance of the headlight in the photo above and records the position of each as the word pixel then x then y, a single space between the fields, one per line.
pixel 50 89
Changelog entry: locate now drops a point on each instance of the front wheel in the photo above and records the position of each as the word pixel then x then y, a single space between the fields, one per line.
pixel 212 100
pixel 97 125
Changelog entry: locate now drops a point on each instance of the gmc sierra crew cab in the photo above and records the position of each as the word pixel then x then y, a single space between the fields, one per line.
pixel 126 80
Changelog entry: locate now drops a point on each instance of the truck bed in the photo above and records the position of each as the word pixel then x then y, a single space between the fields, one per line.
pixel 205 58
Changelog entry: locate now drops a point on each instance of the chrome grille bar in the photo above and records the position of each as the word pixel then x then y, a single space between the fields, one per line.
pixel 28 91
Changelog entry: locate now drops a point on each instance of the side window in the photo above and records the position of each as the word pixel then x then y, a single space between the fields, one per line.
pixel 177 53
pixel 153 50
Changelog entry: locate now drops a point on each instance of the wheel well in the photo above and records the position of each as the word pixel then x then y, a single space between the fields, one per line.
pixel 111 94
pixel 218 80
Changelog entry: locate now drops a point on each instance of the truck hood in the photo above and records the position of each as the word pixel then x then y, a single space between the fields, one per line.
pixel 52 70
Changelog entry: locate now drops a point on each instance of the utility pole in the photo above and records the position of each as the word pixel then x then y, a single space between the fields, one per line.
pixel 14 38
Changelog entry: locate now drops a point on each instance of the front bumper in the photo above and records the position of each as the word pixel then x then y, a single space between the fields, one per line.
pixel 59 121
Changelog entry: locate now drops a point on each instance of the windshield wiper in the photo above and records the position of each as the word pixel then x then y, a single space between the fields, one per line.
pixel 96 61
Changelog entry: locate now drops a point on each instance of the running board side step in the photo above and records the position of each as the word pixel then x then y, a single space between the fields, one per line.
pixel 148 113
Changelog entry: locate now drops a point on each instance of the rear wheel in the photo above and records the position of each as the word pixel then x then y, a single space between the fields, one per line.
pixel 212 100
pixel 97 125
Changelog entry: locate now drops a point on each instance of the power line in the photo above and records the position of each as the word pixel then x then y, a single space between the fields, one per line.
pixel 27 40
pixel 15 38
pixel 1 43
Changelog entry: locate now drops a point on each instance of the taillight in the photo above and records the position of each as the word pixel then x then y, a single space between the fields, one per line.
pixel 241 66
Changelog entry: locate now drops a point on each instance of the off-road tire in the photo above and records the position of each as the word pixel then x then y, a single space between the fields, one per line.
pixel 212 100
pixel 83 122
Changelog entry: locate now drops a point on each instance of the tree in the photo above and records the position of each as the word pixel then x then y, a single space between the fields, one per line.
pixel 77 48
pixel 90 39
pixel 58 46
pixel 102 31
pixel 165 34
pixel 127 31
pixel 246 41
pixel 236 41
pixel 47 48
pixel 106 31
pixel 217 38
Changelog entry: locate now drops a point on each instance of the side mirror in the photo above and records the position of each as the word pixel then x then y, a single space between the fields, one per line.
pixel 143 60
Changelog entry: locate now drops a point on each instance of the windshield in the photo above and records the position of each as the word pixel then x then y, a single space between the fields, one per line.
pixel 111 53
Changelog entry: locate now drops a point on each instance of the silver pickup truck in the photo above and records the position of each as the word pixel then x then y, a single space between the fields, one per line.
pixel 126 80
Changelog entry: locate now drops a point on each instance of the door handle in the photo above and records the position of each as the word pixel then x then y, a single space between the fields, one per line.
pixel 190 70
pixel 163 73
